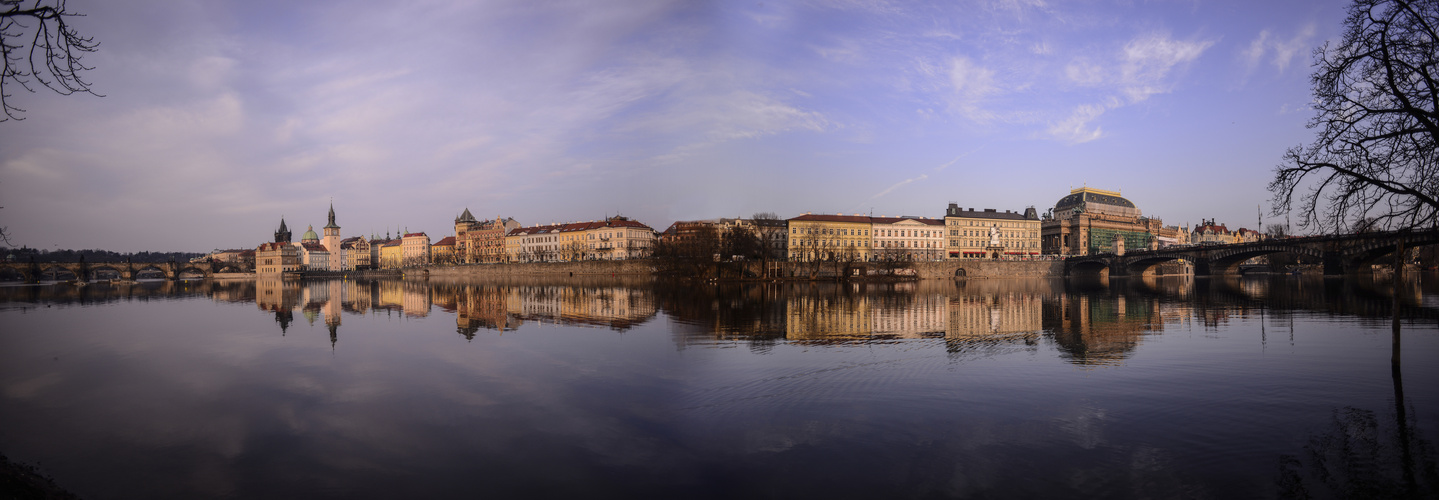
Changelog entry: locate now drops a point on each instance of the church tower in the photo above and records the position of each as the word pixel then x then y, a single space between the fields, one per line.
pixel 282 235
pixel 332 242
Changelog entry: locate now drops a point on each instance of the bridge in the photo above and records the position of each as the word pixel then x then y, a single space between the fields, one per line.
pixel 1341 254
pixel 31 272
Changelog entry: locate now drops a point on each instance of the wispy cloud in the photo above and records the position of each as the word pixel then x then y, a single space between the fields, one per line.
pixel 1280 52
pixel 1077 128
pixel 1145 66
pixel 1148 62
pixel 921 177
pixel 972 85
pixel 898 185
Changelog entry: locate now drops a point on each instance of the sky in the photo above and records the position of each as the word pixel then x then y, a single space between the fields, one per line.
pixel 220 117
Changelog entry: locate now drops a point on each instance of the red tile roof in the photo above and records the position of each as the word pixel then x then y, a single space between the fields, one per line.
pixel 446 241
pixel 577 226
pixel 863 219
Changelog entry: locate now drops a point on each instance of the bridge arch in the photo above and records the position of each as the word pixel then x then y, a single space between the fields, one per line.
pixel 12 273
pixel 1382 252
pixel 1144 265
pixel 191 271
pixel 1227 260
pixel 59 271
pixel 147 268
pixel 1090 266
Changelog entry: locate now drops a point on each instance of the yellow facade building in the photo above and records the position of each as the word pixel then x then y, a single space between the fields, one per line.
pixel 839 237
pixel 392 255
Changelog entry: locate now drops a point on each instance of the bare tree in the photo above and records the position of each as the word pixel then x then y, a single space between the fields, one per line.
pixel 691 251
pixel 741 244
pixel 1377 113
pixel 812 247
pixel 772 232
pixel 5 234
pixel 39 45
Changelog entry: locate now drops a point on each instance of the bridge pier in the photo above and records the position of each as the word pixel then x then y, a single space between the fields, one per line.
pixel 1201 267
pixel 1334 264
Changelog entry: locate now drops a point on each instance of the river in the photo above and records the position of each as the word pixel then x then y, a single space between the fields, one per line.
pixel 1257 387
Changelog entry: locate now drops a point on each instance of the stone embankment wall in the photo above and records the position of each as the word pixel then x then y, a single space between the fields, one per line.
pixel 981 269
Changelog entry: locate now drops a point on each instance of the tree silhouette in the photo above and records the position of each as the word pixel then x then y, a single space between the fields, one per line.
pixel 39 45
pixel 1374 159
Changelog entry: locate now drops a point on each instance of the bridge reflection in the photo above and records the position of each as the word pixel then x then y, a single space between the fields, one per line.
pixel 1092 322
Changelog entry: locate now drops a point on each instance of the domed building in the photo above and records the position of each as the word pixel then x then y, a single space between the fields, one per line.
pixel 1094 221
pixel 313 255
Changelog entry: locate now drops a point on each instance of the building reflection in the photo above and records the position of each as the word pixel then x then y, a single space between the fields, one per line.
pixel 280 297
pixel 1100 330
pixel 1089 322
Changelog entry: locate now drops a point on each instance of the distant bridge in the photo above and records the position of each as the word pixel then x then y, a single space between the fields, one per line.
pixel 86 271
pixel 1342 254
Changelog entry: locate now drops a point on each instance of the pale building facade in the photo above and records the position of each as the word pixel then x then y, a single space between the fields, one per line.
pixel 907 238
pixel 415 249
pixel 313 255
pixel 991 234
pixel 615 238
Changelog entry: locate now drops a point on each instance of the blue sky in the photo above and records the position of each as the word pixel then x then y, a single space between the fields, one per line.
pixel 220 117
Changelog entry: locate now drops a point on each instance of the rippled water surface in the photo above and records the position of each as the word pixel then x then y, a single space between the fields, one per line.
pixel 1172 388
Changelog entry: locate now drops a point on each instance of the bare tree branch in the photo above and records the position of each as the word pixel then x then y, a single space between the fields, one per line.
pixel 37 43
pixel 1373 162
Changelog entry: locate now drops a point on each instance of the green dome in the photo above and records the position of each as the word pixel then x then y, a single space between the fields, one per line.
pixel 310 234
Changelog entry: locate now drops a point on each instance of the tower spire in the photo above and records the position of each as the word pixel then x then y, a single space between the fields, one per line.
pixel 332 217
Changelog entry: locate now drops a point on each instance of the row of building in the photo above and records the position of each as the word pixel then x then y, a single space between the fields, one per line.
pixel 1086 221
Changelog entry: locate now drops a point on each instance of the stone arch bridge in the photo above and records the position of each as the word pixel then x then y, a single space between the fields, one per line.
pixel 86 271
pixel 1341 254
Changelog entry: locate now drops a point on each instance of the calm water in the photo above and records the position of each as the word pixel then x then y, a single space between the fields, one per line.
pixel 1174 388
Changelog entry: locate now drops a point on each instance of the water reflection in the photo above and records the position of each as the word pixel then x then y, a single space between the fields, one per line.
pixel 1098 322
pixel 1031 389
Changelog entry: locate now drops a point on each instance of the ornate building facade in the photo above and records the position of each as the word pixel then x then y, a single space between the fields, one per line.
pixel 481 242
pixel 1093 221
pixel 278 256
